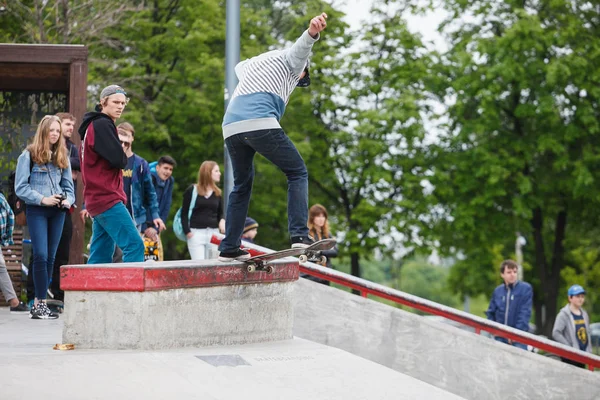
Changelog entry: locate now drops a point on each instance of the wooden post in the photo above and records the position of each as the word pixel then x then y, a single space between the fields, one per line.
pixel 77 106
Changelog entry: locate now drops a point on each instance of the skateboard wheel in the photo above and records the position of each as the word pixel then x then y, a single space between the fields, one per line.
pixel 303 258
pixel 251 268
pixel 323 260
pixel 269 270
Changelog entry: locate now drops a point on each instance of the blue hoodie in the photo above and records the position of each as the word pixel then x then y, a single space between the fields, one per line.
pixel 164 194
pixel 143 201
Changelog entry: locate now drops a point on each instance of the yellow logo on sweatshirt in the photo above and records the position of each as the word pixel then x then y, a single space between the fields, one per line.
pixel 127 173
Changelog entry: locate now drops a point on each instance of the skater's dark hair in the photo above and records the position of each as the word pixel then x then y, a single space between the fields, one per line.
pixel 167 160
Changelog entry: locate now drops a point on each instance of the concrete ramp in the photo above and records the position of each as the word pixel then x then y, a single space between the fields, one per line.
pixel 289 369
pixel 460 362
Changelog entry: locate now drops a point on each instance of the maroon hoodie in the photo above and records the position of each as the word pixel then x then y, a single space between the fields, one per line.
pixel 102 163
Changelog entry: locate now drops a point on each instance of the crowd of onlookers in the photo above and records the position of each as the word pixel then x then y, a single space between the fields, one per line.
pixel 127 198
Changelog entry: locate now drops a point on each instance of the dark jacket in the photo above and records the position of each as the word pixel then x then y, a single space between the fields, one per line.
pixel 164 196
pixel 143 196
pixel 73 155
pixel 102 162
pixel 511 305
pixel 327 253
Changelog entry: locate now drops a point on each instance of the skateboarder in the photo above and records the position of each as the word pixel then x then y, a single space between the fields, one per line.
pixel 251 125
pixel 102 162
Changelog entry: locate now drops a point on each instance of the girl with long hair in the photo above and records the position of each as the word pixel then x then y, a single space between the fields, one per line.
pixel 44 182
pixel 207 210
pixel 318 226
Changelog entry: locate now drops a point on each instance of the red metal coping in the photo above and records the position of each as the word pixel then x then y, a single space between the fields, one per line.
pixel 366 287
pixel 147 277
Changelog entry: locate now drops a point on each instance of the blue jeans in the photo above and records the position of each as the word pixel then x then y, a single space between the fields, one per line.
pixel 45 228
pixel 115 226
pixel 276 147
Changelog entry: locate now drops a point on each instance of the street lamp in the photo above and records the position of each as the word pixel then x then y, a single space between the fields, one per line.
pixel 519 243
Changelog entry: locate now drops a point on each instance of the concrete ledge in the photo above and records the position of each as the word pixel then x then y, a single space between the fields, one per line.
pixel 176 304
pixel 139 277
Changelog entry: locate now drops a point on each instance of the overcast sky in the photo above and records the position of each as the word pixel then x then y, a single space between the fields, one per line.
pixel 358 10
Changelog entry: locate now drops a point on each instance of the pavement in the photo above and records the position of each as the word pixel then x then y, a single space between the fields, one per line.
pixel 290 369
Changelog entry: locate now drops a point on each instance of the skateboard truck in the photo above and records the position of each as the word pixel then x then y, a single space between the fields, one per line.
pixel 311 253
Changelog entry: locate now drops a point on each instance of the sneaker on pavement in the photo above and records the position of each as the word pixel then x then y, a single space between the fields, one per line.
pixel 238 254
pixel 21 308
pixel 41 311
pixel 299 242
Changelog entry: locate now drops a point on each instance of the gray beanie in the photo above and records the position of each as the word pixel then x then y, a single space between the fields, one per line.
pixel 112 89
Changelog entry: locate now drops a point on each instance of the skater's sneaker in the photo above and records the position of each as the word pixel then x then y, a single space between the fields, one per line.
pixel 21 308
pixel 41 311
pixel 238 254
pixel 302 242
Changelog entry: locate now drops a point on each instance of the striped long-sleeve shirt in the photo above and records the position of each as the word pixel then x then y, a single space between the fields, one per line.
pixel 265 85
pixel 7 222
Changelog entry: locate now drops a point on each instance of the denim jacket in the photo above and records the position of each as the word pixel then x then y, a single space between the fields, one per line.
pixel 44 180
pixel 143 196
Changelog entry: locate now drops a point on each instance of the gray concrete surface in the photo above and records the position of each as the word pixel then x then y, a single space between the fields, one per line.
pixel 292 370
pixel 469 365
pixel 218 315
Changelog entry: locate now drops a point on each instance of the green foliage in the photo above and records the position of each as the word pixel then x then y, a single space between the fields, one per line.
pixel 520 138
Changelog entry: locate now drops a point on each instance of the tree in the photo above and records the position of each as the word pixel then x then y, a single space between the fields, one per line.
pixel 362 151
pixel 521 142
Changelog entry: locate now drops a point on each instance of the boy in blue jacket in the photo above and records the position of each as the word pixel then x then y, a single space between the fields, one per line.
pixel 511 302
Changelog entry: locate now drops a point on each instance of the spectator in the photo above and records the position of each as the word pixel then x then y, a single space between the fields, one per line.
pixel 64 246
pixel 572 324
pixel 251 125
pixel 250 230
pixel 139 190
pixel 318 227
pixel 7 223
pixel 162 178
pixel 44 182
pixel 511 302
pixel 207 212
pixel 102 164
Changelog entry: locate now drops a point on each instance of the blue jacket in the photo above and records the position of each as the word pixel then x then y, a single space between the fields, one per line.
pixel 143 196
pixel 164 195
pixel 44 180
pixel 511 305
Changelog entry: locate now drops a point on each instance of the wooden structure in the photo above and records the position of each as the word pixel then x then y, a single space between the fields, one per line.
pixel 32 74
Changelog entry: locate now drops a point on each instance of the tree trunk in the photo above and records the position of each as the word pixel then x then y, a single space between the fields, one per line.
pixel 539 298
pixel 546 297
pixel 553 279
pixel 355 267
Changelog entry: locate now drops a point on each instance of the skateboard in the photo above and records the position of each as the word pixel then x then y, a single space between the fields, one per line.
pixel 311 253
pixel 151 249
pixel 56 306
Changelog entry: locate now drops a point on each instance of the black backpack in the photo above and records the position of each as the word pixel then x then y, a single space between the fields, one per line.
pixel 17 205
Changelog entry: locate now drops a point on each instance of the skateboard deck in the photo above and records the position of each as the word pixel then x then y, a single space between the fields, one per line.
pixel 311 253
pixel 152 250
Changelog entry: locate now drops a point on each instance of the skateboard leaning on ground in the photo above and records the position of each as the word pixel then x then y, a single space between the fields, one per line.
pixel 151 249
pixel 311 253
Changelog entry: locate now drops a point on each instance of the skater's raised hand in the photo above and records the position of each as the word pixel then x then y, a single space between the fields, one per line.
pixel 317 24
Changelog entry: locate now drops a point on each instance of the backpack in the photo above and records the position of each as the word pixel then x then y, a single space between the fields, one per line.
pixel 17 205
pixel 177 225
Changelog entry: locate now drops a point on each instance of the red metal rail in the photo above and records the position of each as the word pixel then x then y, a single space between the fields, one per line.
pixel 479 324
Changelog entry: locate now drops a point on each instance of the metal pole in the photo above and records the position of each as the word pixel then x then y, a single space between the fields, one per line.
pixel 232 57
pixel 519 243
